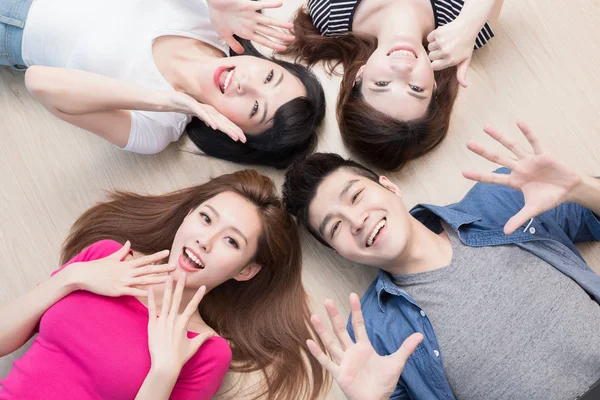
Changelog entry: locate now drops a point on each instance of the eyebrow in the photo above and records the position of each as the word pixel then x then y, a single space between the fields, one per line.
pixel 232 227
pixel 330 215
pixel 415 94
pixel 264 117
pixel 379 90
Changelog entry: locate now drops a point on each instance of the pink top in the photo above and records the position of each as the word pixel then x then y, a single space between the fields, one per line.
pixel 96 347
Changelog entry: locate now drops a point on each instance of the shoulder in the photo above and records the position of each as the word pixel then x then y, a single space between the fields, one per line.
pixel 213 357
pixel 151 132
pixel 100 249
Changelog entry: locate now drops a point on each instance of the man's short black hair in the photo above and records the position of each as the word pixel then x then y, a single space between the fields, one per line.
pixel 305 176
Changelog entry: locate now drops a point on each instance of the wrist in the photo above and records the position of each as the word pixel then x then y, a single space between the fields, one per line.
pixel 582 189
pixel 69 279
pixel 164 373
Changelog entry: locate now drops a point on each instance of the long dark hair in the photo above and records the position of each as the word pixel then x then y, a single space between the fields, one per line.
pixel 383 141
pixel 265 319
pixel 293 133
pixel 386 142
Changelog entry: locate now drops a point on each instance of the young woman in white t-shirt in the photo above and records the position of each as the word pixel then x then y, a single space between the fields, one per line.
pixel 136 73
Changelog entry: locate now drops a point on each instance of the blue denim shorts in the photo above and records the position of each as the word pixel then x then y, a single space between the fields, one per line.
pixel 13 14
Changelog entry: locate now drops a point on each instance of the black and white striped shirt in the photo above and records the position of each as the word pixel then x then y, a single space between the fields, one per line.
pixel 334 17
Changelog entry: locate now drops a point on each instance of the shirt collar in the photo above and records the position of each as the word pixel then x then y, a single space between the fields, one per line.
pixel 429 215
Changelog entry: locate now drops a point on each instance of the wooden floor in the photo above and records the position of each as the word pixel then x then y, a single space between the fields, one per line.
pixel 541 67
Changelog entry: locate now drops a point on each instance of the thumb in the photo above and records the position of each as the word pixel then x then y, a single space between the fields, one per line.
pixel 519 219
pixel 199 340
pixel 461 72
pixel 121 253
pixel 408 347
pixel 234 44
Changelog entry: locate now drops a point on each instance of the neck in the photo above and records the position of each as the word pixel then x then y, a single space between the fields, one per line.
pixel 393 20
pixel 426 251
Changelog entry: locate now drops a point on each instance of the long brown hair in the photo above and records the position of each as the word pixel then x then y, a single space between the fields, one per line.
pixel 310 46
pixel 386 142
pixel 265 319
pixel 383 141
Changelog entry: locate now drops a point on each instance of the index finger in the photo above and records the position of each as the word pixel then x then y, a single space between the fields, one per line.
pixel 531 138
pixel 264 4
pixel 265 20
pixel 145 260
pixel 358 322
pixel 339 327
pixel 192 306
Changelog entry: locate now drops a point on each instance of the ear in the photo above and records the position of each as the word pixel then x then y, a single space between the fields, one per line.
pixel 248 272
pixel 359 75
pixel 389 185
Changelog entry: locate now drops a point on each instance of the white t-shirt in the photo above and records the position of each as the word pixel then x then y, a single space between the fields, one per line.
pixel 114 38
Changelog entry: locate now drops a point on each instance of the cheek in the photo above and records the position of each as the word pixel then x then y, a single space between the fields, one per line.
pixel 236 111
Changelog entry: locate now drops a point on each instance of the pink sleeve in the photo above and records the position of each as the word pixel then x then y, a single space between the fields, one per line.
pixel 96 251
pixel 201 376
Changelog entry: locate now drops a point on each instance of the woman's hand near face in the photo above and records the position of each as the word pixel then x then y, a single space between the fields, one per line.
pixel 169 346
pixel 182 103
pixel 241 17
pixel 452 44
pixel 112 277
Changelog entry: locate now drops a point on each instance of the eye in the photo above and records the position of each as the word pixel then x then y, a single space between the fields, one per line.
pixel 334 228
pixel 205 217
pixel 232 242
pixel 269 77
pixel 356 195
pixel 382 83
pixel 254 109
pixel 416 88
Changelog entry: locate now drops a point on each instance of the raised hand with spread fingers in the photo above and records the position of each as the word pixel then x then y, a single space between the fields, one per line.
pixel 361 373
pixel 546 182
pixel 243 18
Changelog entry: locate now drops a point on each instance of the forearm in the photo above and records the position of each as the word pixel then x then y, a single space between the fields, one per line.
pixel 158 385
pixel 77 92
pixel 19 317
pixel 587 194
pixel 478 12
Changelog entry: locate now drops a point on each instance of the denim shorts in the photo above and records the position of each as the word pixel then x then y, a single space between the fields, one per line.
pixel 13 14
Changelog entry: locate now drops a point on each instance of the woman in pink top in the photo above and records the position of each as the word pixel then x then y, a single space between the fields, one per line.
pixel 110 324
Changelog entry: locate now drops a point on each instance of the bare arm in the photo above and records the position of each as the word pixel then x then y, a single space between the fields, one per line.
pixel 19 317
pixel 102 105
pixel 478 12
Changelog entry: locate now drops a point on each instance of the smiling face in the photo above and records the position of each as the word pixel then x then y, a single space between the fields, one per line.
pixel 217 241
pixel 398 81
pixel 364 221
pixel 248 90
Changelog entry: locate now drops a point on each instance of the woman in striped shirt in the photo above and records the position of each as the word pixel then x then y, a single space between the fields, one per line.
pixel 403 61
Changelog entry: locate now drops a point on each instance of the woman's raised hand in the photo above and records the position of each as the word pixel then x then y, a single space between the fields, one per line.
pixel 241 17
pixel 452 44
pixel 170 348
pixel 360 372
pixel 181 102
pixel 109 276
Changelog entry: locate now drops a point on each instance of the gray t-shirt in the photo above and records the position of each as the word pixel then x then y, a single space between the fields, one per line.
pixel 509 325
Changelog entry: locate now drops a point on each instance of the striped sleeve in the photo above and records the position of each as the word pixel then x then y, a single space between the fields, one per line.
pixel 446 11
pixel 332 17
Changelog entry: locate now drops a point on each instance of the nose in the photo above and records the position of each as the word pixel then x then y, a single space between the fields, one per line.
pixel 244 85
pixel 205 242
pixel 358 222
pixel 402 68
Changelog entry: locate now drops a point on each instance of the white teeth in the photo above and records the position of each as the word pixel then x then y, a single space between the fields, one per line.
pixel 194 258
pixel 378 227
pixel 227 80
pixel 402 52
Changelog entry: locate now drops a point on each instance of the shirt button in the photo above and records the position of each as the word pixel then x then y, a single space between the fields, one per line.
pixel 422 313
pixel 532 230
pixel 437 353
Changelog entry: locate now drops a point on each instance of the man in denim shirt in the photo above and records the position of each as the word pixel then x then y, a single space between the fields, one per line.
pixel 510 240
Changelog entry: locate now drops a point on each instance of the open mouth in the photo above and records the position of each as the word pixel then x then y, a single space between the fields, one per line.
pixel 190 260
pixel 376 232
pixel 402 51
pixel 225 79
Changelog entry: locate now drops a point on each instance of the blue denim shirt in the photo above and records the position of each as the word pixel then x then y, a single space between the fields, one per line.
pixel 391 315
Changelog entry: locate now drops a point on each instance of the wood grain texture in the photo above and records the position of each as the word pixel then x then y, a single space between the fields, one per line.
pixel 542 67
